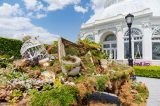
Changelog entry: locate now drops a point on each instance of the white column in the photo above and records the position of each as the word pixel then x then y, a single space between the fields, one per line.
pixel 120 43
pixel 147 41
pixel 97 37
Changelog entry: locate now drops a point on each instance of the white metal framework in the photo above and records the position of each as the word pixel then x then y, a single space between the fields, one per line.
pixel 33 48
pixel 156 42
pixel 137 47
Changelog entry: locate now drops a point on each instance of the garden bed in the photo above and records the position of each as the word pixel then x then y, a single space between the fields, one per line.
pixel 26 85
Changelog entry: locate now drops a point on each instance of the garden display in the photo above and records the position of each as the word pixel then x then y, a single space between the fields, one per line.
pixel 72 80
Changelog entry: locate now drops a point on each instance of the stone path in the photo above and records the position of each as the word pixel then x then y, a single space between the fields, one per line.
pixel 154 90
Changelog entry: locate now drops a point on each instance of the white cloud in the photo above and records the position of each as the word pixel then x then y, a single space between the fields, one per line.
pixel 14 26
pixel 80 9
pixel 35 8
pixel 97 5
pixel 39 15
pixel 8 10
pixel 59 4
pixel 33 5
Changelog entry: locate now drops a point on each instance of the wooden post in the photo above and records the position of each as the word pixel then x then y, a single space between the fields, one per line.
pixel 61 50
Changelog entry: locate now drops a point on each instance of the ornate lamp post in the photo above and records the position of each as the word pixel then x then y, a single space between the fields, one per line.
pixel 129 19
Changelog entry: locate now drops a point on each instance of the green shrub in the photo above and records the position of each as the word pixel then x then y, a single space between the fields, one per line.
pixel 142 90
pixel 10 47
pixel 101 83
pixel 72 51
pixel 47 87
pixel 17 93
pixel 54 47
pixel 98 54
pixel 3 64
pixel 147 71
pixel 63 96
pixel 89 45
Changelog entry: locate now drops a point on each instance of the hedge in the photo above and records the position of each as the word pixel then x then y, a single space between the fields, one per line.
pixel 10 47
pixel 147 71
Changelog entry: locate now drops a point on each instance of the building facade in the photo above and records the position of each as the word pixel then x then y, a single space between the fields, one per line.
pixel 108 27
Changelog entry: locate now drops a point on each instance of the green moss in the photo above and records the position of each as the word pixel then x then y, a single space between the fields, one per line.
pixel 63 96
pixel 47 87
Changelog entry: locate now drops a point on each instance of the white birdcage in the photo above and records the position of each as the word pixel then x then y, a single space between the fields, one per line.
pixel 33 49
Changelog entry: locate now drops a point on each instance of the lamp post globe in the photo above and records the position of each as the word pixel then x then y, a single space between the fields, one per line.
pixel 129 20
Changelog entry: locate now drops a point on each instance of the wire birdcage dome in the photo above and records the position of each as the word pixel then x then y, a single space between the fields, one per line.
pixel 33 48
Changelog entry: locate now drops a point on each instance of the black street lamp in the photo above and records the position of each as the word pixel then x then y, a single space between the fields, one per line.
pixel 129 19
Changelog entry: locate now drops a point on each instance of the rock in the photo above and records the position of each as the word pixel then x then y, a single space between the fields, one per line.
pixel 21 63
pixel 47 64
pixel 44 62
pixel 104 63
pixel 47 76
pixel 70 83
pixel 17 84
pixel 105 98
pixel 23 102
pixel 34 74
pixel 70 67
pixel 3 94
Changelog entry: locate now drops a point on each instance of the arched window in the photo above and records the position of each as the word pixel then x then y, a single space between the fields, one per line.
pixel 136 36
pixel 110 46
pixel 110 37
pixel 90 37
pixel 156 42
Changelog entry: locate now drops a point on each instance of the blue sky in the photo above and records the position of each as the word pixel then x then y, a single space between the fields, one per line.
pixel 44 18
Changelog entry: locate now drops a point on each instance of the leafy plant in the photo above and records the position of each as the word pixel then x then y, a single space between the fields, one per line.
pixel 99 54
pixel 89 44
pixel 47 87
pixel 101 83
pixel 3 64
pixel 72 51
pixel 17 93
pixel 54 47
pixel 142 90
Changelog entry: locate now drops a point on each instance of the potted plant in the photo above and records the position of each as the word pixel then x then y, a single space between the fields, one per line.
pixel 71 65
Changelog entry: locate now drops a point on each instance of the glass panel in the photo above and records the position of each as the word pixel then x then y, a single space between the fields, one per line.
pixel 126 50
pixel 110 37
pixel 112 55
pixel 138 50
pixel 108 53
pixel 106 46
pixel 114 45
pixel 116 53
pixel 156 50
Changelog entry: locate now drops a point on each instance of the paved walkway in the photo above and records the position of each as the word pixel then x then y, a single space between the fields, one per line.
pixel 154 90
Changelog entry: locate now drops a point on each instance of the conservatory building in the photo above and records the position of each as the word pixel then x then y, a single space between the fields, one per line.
pixel 108 27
